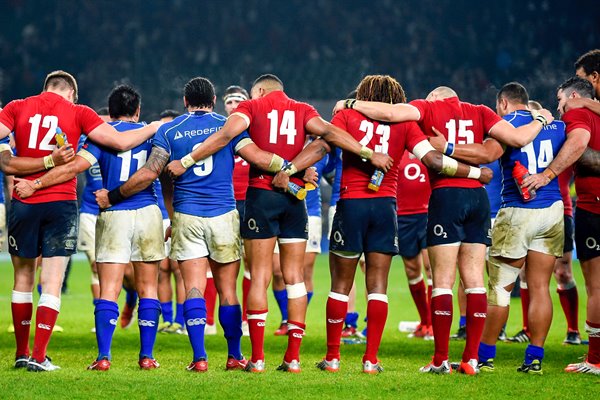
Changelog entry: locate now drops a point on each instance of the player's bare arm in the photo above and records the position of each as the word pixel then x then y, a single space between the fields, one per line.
pixel 445 165
pixel 22 166
pixel 381 111
pixel 582 102
pixel 235 125
pixel 342 139
pixel 589 163
pixel 476 153
pixel 108 136
pixel 310 155
pixel 63 173
pixel 505 133
pixel 570 152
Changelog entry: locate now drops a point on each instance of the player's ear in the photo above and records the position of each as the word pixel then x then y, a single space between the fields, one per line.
pixel 185 102
pixel 595 77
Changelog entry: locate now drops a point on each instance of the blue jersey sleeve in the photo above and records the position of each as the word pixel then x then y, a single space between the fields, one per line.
pixel 160 139
pixel 92 148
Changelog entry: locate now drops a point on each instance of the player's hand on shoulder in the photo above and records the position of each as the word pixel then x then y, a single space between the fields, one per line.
pixel 63 155
pixel 544 113
pixel 382 161
pixel 156 125
pixel 535 181
pixel 280 181
pixel 486 175
pixel 24 187
pixel 102 198
pixel 339 106
pixel 311 176
pixel 438 141
pixel 175 169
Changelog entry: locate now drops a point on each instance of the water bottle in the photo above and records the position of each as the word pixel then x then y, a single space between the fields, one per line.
pixel 519 173
pixel 296 190
pixel 376 179
pixel 60 137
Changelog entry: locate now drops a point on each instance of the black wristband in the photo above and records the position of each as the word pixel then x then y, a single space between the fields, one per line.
pixel 115 196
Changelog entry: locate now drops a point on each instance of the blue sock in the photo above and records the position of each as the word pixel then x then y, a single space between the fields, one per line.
pixel 486 352
pixel 230 318
pixel 39 288
pixel 309 295
pixel 352 319
pixel 148 314
pixel 179 319
pixel 130 297
pixel 463 321
pixel 533 353
pixel 194 311
pixel 282 302
pixel 106 315
pixel 95 301
pixel 166 309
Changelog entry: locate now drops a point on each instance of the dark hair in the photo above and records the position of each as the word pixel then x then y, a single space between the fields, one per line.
pixel 199 92
pixel 268 77
pixel 169 114
pixel 233 89
pixel 123 101
pixel 590 62
pixel 61 80
pixel 381 88
pixel 102 111
pixel 580 85
pixel 514 92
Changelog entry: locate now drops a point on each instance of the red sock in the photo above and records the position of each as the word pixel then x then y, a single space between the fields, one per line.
pixel 476 314
pixel 45 318
pixel 295 334
pixel 22 309
pixel 593 356
pixel 256 326
pixel 210 295
pixel 569 300
pixel 377 311
pixel 525 307
pixel 419 295
pixel 337 307
pixel 245 289
pixel 441 319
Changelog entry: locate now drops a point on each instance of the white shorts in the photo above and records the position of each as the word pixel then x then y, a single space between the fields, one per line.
pixel 166 224
pixel 2 225
pixel 130 235
pixel 517 230
pixel 214 237
pixel 330 215
pixel 87 235
pixel 315 230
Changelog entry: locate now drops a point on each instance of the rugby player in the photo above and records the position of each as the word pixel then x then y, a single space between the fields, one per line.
pixel 46 223
pixel 365 220
pixel 276 123
pixel 458 220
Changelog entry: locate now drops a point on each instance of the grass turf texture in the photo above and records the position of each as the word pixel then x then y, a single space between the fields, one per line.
pixel 75 348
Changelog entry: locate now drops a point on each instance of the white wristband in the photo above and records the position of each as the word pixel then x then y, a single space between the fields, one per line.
pixel 187 161
pixel 474 173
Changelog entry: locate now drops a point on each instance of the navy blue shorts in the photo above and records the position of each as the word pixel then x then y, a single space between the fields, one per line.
pixel 240 205
pixel 458 215
pixel 412 234
pixel 587 234
pixel 569 234
pixel 49 229
pixel 274 214
pixel 365 226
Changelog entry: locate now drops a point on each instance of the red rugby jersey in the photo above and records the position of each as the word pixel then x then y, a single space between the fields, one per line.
pixel 34 121
pixel 276 125
pixel 413 186
pixel 392 139
pixel 460 123
pixel 588 187
pixel 241 175
pixel 564 179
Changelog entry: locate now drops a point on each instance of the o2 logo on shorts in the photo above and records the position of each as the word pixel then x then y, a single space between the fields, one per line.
pixel 590 243
pixel 12 242
pixel 439 231
pixel 252 225
pixel 337 237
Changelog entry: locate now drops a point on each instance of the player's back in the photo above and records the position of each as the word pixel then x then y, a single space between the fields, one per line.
pixel 117 167
pixel 276 124
pixel 241 178
pixel 413 186
pixel 460 123
pixel 391 139
pixel 34 121
pixel 206 188
pixel 535 156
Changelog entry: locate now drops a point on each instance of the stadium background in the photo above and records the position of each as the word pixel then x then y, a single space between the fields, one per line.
pixel 320 49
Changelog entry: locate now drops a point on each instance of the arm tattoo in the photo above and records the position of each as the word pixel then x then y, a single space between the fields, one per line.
pixel 5 157
pixel 157 161
pixel 589 163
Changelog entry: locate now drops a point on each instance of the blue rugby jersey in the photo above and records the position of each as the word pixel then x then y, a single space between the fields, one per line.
pixel 313 197
pixel 205 189
pixel 494 188
pixel 93 182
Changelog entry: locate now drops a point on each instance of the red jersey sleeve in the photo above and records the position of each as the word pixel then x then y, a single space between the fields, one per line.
pixel 339 120
pixel 88 119
pixel 577 118
pixel 310 113
pixel 8 115
pixel 488 117
pixel 422 106
pixel 414 135
pixel 245 108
